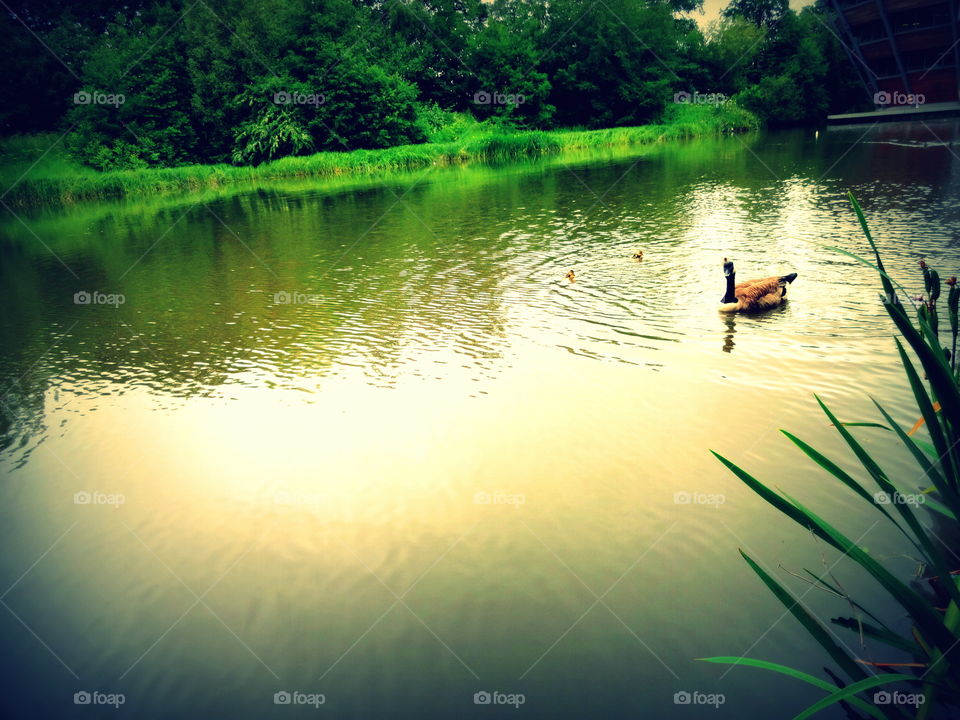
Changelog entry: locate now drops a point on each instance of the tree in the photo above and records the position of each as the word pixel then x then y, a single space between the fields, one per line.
pixel 428 40
pixel 762 13
pixel 733 44
pixel 224 61
pixel 200 81
pixel 272 129
pixel 611 66
pixel 788 76
pixel 506 81
pixel 145 116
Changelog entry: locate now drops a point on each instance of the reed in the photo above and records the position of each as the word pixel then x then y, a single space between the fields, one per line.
pixel 58 180
pixel 928 653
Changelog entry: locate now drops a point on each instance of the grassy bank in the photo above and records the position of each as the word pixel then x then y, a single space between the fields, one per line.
pixel 57 179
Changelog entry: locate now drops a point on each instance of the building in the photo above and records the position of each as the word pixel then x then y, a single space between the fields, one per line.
pixel 907 52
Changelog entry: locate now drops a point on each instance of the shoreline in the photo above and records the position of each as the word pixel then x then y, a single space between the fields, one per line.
pixel 494 145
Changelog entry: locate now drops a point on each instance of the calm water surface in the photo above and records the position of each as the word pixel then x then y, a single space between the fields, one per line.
pixel 367 441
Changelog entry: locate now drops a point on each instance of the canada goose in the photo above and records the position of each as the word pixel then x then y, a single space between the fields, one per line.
pixel 638 255
pixel 570 276
pixel 753 295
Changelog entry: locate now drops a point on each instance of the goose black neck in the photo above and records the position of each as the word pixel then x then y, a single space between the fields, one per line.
pixel 729 297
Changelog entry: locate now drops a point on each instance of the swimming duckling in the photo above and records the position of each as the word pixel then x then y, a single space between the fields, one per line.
pixel 638 255
pixel 570 276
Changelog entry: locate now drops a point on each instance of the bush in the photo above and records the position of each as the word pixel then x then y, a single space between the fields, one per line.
pixel 364 107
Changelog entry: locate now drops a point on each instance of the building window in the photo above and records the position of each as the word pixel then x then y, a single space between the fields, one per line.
pixel 884 67
pixel 868 32
pixel 920 18
pixel 925 59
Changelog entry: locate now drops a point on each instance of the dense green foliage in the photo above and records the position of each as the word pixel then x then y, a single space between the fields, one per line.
pixel 759 12
pixel 171 82
pixel 787 67
pixel 453 139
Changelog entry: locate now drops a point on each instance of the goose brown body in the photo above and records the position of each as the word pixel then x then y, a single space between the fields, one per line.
pixel 754 295
pixel 758 295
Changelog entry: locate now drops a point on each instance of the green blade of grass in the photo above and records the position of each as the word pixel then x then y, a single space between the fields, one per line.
pixel 794 510
pixel 840 593
pixel 931 354
pixel 928 414
pixel 810 623
pixel 887 283
pixel 928 469
pixel 797 675
pixel 928 448
pixel 877 633
pixel 938 668
pixel 832 468
pixel 774 499
pixel 930 624
pixel 939 375
pixel 926 547
pixel 863 456
pixel 851 690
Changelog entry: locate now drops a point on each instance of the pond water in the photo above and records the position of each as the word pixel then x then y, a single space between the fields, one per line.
pixel 367 441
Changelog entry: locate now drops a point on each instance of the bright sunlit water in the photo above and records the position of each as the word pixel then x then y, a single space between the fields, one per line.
pixel 367 441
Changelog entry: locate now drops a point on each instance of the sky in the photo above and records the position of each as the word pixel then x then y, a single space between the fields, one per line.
pixel 712 8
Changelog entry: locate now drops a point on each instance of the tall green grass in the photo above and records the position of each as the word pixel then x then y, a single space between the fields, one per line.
pixel 928 653
pixel 58 180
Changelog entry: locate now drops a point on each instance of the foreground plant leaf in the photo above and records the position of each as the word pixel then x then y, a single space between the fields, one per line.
pixel 809 622
pixel 887 637
pixel 922 613
pixel 929 470
pixel 929 413
pixel 848 692
pixel 919 423
pixel 797 675
pixel 844 477
pixel 926 547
